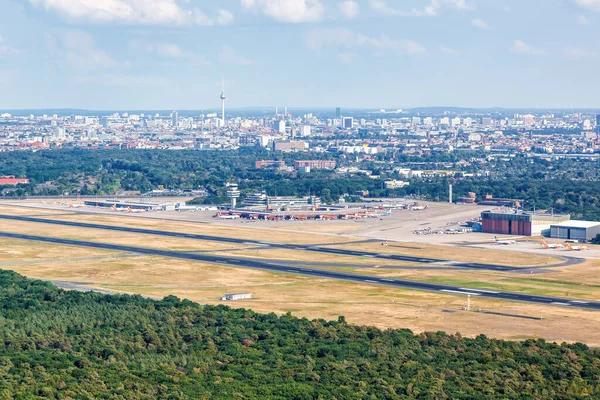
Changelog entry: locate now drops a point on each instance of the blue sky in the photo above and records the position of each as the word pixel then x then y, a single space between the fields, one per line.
pixel 171 54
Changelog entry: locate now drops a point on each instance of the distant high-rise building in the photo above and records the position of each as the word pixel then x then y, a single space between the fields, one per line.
pixel 279 126
pixel 416 120
pixel 174 118
pixel 598 124
pixel 348 122
pixel 338 113
pixel 306 130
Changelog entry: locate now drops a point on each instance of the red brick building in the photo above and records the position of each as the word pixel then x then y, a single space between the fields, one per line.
pixel 11 180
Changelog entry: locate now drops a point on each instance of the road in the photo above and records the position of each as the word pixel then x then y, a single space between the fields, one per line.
pixel 365 279
pixel 312 248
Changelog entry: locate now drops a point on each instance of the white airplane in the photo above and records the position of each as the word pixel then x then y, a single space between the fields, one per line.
pixel 551 245
pixel 71 205
pixel 576 248
pixel 130 210
pixel 420 208
pixel 504 242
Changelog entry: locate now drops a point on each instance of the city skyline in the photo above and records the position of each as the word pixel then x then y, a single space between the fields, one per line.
pixel 168 54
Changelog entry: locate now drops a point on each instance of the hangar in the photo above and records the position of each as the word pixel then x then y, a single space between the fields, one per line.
pixel 575 230
pixel 520 222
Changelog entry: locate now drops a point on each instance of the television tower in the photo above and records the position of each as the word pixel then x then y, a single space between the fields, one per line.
pixel 223 101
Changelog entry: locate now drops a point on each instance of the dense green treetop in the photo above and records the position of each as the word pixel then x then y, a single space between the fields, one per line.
pixel 57 344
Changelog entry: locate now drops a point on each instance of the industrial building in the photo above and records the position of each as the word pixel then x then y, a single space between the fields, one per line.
pixel 237 296
pixel 575 230
pixel 520 223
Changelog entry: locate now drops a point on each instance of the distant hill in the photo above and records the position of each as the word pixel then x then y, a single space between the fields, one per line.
pixel 56 344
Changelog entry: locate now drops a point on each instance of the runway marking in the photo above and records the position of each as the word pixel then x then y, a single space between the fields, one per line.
pixel 370 281
pixel 580 302
pixel 388 280
pixel 459 292
pixel 558 303
pixel 480 291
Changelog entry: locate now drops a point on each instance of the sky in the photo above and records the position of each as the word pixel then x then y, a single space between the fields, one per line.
pixel 171 54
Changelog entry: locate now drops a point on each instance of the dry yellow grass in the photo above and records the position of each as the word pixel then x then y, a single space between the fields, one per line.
pixel 446 252
pixel 319 298
pixel 305 296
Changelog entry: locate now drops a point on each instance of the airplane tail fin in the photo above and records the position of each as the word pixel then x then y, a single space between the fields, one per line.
pixel 544 244
pixel 569 246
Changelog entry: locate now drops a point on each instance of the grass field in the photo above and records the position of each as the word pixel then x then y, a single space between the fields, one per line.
pixel 319 298
pixel 306 296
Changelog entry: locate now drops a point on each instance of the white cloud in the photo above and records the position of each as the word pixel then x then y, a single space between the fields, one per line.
pixel 123 80
pixel 228 55
pixel 449 51
pixel 480 24
pixel 520 47
pixel 582 20
pixel 77 50
pixel 319 39
pixel 168 50
pixel 148 12
pixel 347 58
pixel 224 17
pixel 593 5
pixel 349 9
pixel 5 49
pixel 577 53
pixel 432 9
pixel 294 11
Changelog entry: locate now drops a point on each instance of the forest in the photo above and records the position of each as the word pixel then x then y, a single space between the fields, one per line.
pixel 565 186
pixel 57 344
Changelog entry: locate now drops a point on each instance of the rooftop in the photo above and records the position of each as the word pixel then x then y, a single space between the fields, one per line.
pixel 578 224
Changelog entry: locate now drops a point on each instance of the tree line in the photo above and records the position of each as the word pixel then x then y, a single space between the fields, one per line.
pixel 57 344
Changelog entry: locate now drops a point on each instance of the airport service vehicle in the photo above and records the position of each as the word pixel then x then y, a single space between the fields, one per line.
pixel 504 242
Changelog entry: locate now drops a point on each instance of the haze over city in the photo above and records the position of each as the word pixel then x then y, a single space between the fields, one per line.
pixel 168 54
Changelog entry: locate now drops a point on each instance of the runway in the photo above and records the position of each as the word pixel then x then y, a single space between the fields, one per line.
pixel 365 279
pixel 312 248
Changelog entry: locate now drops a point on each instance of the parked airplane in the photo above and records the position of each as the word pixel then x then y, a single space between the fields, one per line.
pixel 420 208
pixel 130 210
pixel 552 245
pixel 504 242
pixel 576 248
pixel 71 205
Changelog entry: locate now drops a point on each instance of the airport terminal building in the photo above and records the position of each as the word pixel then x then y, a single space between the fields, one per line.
pixel 520 223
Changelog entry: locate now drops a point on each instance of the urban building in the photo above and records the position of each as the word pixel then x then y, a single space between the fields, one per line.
pixel 269 163
pixel 338 113
pixel 348 122
pixel 315 164
pixel 289 145
pixel 520 223
pixel 12 181
pixel 395 184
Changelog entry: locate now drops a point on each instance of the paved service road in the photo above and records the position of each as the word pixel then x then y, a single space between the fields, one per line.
pixel 317 249
pixel 256 264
